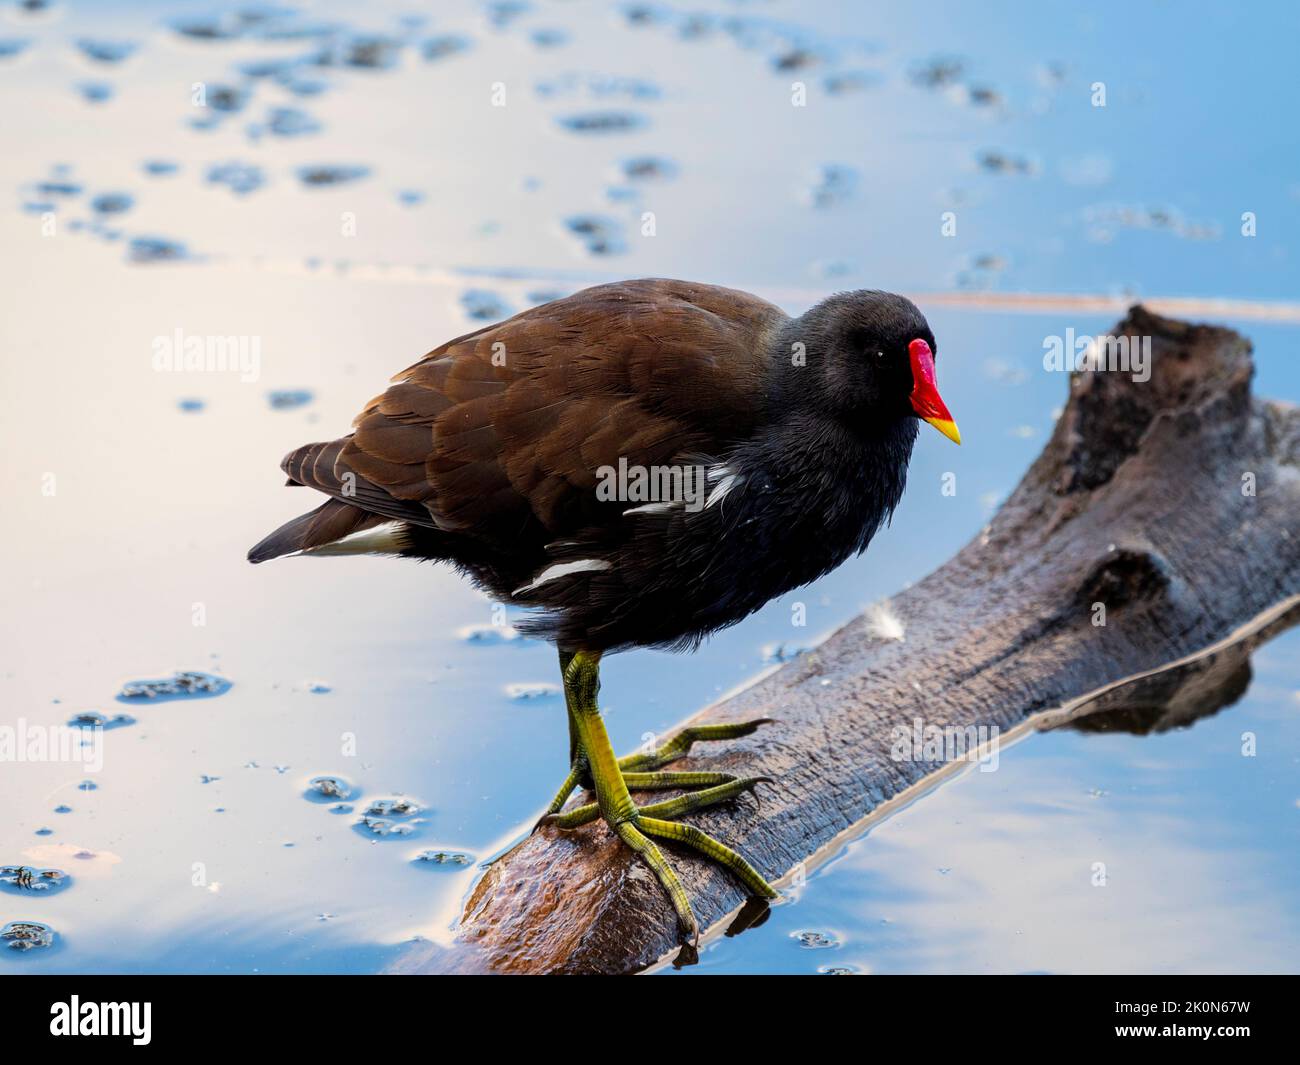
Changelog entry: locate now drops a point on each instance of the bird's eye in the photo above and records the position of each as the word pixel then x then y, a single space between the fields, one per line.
pixel 880 354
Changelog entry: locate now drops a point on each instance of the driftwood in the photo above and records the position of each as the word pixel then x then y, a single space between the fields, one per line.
pixel 1169 502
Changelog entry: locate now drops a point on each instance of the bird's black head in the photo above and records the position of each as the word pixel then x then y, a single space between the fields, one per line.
pixel 868 359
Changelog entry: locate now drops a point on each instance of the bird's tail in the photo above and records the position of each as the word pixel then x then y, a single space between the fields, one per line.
pixel 319 532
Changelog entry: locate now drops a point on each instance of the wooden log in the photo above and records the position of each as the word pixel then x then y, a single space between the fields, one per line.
pixel 1169 503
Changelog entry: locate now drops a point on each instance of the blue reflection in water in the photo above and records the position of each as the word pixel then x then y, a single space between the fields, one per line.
pixel 205 845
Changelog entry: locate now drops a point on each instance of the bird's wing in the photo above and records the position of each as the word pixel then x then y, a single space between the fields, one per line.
pixel 504 428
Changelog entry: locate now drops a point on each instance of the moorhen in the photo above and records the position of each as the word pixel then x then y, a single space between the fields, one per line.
pixel 644 463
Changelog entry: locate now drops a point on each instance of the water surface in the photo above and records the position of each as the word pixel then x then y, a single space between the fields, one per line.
pixel 381 218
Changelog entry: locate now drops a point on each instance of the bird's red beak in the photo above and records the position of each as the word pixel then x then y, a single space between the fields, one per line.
pixel 926 401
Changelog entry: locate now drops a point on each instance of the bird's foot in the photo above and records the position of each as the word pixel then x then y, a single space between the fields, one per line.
pixel 654 819
pixel 612 778
pixel 636 768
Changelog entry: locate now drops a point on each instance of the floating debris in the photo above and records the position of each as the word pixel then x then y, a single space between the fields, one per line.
pixel 362 52
pixel 483 305
pixel 999 162
pixel 291 122
pixel 939 72
pixel 399 807
pixel 292 399
pixel 815 940
pixel 1105 220
pixel 832 185
pixel 597 87
pixel 839 970
pixel 159 167
pixel 87 785
pixel 182 685
pixel 268 68
pixel 22 878
pixel 206 27
pixel 303 86
pixel 640 16
pixel 112 203
pixel 603 122
pixel 545 295
pixel 155 250
pixel 695 27
pixel 63 808
pixel 191 405
pixel 328 789
pixel 795 59
pixel 390 818
pixel 106 52
pixel 549 37
pixel 227 99
pixel 94 719
pixel 648 168
pixel 600 235
pixel 240 178
pixel 410 197
pixel 990 262
pixel 984 96
pixel 436 48
pixel 844 82
pixel 95 92
pixel 536 690
pixel 501 13
pixel 320 175
pixel 456 859
pixel 284 24
pixel 11 47
pixel 57 187
pixel 26 935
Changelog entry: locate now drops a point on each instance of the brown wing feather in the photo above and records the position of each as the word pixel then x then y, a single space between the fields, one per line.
pixel 506 426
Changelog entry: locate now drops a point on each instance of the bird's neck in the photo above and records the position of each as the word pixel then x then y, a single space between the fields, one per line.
pixel 829 481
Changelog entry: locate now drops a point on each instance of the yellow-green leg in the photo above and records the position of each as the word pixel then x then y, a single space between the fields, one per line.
pixel 636 767
pixel 593 754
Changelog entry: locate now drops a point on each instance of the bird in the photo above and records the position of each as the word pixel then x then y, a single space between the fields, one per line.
pixel 639 464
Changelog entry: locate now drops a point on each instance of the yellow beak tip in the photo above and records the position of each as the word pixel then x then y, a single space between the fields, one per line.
pixel 948 428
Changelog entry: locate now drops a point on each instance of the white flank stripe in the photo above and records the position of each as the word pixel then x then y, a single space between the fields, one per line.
pixel 652 508
pixel 723 488
pixel 389 539
pixel 563 569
